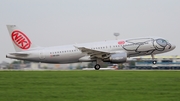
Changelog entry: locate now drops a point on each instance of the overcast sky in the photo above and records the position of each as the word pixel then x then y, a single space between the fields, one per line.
pixel 59 22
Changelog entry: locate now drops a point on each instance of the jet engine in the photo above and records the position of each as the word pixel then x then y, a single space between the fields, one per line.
pixel 117 58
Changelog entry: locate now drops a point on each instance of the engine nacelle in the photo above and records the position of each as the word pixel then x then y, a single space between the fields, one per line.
pixel 117 58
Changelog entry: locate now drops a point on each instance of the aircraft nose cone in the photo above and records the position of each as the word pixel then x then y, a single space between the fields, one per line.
pixel 173 46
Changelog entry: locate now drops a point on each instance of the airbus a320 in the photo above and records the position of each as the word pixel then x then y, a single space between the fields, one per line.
pixel 114 51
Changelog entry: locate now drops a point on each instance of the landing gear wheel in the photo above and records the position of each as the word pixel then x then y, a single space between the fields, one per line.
pixel 97 67
pixel 154 62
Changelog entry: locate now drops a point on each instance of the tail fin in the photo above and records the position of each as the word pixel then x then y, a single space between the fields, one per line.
pixel 20 41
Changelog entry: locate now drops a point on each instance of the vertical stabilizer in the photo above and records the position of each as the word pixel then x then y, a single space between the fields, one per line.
pixel 19 39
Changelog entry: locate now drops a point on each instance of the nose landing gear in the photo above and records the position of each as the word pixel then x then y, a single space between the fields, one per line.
pixel 154 61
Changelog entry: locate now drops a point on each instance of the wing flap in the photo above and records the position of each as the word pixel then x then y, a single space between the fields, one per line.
pixel 93 53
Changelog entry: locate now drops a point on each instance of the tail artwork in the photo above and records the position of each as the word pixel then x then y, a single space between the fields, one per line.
pixel 20 41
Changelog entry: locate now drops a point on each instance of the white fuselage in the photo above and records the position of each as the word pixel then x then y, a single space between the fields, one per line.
pixel 72 54
pixel 115 51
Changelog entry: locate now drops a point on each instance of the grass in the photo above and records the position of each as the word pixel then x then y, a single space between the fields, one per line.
pixel 89 85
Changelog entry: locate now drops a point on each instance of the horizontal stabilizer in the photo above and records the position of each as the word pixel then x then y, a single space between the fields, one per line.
pixel 19 54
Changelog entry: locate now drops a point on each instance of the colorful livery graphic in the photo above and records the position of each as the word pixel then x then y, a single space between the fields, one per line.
pixel 145 46
pixel 20 39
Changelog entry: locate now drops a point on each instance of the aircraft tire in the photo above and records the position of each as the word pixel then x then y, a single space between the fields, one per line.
pixel 154 62
pixel 97 67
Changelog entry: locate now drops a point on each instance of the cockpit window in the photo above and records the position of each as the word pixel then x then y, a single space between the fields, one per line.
pixel 162 42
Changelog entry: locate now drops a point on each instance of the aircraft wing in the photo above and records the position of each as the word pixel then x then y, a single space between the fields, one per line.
pixel 94 53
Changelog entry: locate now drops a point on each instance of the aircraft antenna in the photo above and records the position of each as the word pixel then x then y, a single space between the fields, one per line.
pixel 116 35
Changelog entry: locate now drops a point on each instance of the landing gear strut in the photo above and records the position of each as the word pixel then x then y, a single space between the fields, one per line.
pixel 97 67
pixel 154 61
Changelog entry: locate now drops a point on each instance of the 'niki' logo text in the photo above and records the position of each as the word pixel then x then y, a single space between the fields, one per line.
pixel 20 39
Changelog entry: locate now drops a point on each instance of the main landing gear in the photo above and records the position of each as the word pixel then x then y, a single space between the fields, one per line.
pixel 97 67
pixel 99 62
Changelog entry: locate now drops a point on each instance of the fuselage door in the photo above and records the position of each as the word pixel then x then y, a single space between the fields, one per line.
pixel 41 55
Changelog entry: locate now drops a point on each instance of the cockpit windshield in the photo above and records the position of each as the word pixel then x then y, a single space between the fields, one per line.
pixel 162 42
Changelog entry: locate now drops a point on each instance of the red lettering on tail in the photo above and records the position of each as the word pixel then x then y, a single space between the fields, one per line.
pixel 20 39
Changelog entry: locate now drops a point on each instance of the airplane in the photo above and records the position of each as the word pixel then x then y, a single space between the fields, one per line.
pixel 113 51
